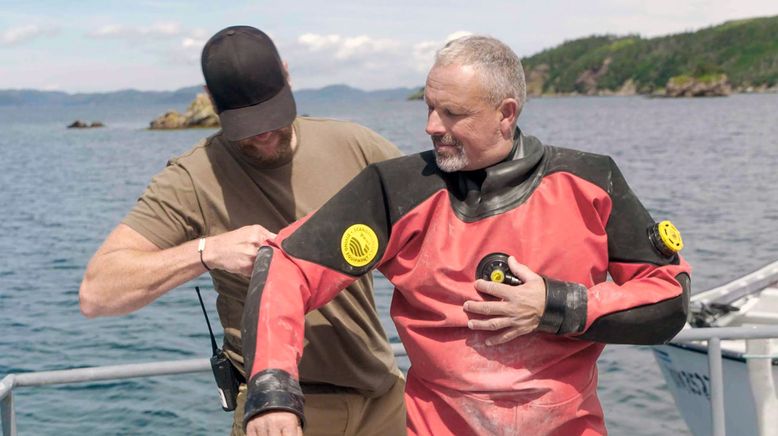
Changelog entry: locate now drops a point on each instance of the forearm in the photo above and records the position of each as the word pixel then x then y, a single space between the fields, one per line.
pixel 648 307
pixel 123 280
pixel 282 290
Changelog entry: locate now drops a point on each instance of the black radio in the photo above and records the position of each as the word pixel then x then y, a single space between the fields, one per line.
pixel 225 374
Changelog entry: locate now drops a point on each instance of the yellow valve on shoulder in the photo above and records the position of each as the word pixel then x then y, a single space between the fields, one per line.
pixel 666 238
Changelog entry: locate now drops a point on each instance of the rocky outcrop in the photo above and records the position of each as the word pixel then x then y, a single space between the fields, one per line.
pixel 713 85
pixel 78 124
pixel 761 89
pixel 628 88
pixel 200 113
pixel 587 81
pixel 536 80
pixel 417 95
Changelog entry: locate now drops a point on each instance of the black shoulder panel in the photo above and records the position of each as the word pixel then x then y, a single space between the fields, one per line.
pixel 646 325
pixel 629 222
pixel 377 197
pixel 594 168
pixel 409 181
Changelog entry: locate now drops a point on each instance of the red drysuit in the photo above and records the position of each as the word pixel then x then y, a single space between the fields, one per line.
pixel 567 215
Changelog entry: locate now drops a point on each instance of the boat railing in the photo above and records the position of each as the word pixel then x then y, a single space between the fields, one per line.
pixel 713 337
pixel 98 373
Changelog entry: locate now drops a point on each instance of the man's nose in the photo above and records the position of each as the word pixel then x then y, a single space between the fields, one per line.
pixel 434 124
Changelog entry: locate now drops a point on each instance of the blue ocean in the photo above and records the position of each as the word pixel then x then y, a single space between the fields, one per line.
pixel 709 165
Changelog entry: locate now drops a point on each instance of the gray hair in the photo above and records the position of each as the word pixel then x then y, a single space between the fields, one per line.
pixel 500 69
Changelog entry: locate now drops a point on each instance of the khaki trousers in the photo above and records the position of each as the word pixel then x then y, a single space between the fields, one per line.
pixel 345 414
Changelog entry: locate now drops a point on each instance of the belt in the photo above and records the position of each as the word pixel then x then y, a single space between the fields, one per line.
pixel 326 388
pixel 314 388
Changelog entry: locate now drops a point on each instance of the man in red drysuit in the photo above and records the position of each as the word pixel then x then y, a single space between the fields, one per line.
pixel 486 357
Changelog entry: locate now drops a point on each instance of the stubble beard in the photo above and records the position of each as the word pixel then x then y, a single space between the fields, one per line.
pixel 450 161
pixel 262 157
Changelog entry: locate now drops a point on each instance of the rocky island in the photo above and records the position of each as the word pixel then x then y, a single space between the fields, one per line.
pixel 200 113
pixel 78 124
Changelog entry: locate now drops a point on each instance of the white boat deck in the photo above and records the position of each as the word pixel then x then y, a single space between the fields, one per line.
pixel 759 308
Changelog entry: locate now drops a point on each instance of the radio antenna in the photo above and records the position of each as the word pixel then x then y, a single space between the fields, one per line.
pixel 213 339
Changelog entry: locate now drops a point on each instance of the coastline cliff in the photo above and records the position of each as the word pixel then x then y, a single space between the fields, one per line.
pixel 736 56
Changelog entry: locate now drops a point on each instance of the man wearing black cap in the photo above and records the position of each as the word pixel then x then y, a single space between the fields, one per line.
pixel 210 210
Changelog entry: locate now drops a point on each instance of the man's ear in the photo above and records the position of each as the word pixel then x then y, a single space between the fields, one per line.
pixel 286 73
pixel 509 113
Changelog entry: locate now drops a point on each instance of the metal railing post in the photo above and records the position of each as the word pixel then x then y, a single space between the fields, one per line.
pixel 716 386
pixel 8 414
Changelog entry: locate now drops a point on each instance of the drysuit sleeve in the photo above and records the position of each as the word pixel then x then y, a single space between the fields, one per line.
pixel 647 300
pixel 306 266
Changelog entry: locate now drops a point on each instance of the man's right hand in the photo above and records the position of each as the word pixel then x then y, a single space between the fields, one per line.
pixel 275 423
pixel 235 251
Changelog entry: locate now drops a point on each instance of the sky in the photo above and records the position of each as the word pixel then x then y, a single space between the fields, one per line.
pixel 105 45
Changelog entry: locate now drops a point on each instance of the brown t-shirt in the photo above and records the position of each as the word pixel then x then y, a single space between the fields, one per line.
pixel 213 189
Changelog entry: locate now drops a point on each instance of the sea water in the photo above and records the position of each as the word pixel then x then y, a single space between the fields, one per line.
pixel 708 165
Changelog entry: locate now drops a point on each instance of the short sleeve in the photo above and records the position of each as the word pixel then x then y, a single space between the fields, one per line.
pixel 375 147
pixel 168 213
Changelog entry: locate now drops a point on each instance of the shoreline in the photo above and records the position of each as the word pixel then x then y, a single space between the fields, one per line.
pixel 608 93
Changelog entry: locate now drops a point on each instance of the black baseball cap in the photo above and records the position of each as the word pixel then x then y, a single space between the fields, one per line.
pixel 247 81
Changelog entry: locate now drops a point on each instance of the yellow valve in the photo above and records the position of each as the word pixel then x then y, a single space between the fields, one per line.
pixel 497 276
pixel 670 236
pixel 665 238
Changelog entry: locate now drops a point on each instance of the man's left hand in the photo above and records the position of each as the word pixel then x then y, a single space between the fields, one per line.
pixel 520 307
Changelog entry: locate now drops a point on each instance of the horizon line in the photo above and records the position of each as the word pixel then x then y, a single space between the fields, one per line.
pixel 73 93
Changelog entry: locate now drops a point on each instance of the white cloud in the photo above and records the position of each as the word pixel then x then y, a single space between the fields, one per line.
pixel 424 52
pixel 171 43
pixel 110 30
pixel 22 34
pixel 186 52
pixel 362 61
pixel 457 34
pixel 318 42
pixel 119 31
pixel 343 48
pixel 188 48
pixel 188 43
pixel 171 29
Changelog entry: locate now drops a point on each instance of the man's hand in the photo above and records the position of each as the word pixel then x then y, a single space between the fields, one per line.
pixel 276 423
pixel 235 251
pixel 520 307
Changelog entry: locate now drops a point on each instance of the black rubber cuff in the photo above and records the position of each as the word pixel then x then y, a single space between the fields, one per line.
pixel 273 389
pixel 565 308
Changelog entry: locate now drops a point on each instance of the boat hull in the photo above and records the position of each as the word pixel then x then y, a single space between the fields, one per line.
pixel 685 369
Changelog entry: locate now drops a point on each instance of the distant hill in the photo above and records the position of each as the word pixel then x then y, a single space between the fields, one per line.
pixel 745 50
pixel 347 93
pixel 13 97
pixel 742 52
pixel 182 97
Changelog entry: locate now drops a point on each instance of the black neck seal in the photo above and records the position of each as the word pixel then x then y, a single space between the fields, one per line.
pixel 500 187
